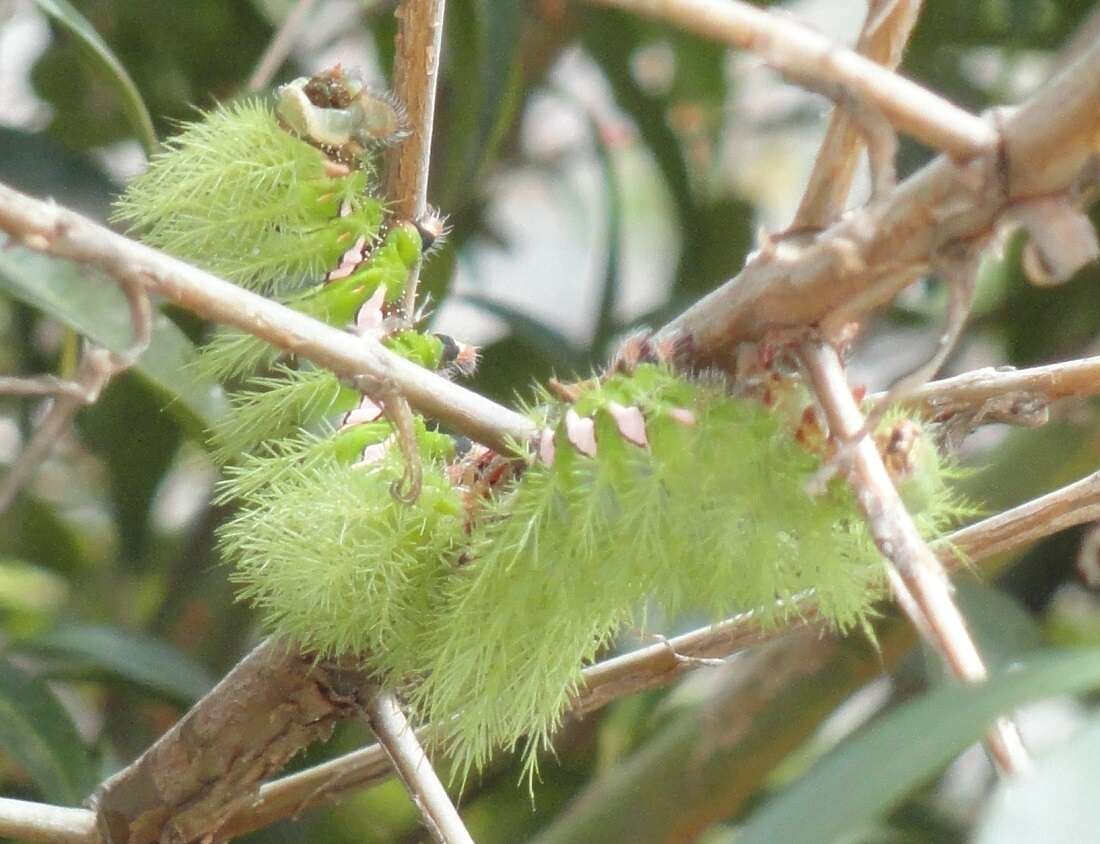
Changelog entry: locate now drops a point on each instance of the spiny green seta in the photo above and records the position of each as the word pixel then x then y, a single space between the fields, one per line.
pixel 483 599
pixel 703 506
pixel 236 195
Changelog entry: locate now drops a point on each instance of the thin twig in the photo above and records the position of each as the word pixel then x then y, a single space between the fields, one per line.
pixel 40 385
pixel 1008 392
pixel 416 73
pixel 399 740
pixel 1052 513
pixel 279 47
pixel 46 227
pixel 920 582
pixel 40 822
pixel 885 31
pixel 863 261
pixel 415 78
pixel 97 367
pixel 808 58
pixel 657 665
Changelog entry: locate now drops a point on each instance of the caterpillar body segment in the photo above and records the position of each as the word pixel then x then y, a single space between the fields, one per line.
pixel 482 597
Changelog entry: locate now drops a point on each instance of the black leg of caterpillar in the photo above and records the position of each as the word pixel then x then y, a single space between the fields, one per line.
pixel 433 229
pixel 458 358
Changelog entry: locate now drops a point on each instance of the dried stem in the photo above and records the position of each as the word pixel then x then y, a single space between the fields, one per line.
pixel 811 60
pixel 279 46
pixel 97 367
pixel 415 78
pixel 1006 394
pixel 39 822
pixel 416 75
pixel 863 261
pixel 1056 511
pixel 46 227
pixel 645 668
pixel 399 740
pixel 917 575
pixel 885 32
pixel 41 385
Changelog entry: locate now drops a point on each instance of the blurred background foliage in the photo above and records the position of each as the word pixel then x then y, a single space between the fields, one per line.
pixel 600 172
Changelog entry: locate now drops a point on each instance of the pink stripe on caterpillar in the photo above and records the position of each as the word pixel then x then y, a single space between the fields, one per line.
pixel 366 411
pixel 546 446
pixel 581 431
pixel 349 260
pixel 370 317
pixel 630 422
pixel 682 415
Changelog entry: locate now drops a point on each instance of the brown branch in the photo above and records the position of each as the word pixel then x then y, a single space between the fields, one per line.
pixel 415 78
pixel 811 60
pixel 40 823
pixel 1004 394
pixel 97 367
pixel 863 261
pixel 919 581
pixel 416 75
pixel 885 33
pixel 208 765
pixel 1052 513
pixel 45 227
pixel 41 385
pixel 645 668
pixel 399 740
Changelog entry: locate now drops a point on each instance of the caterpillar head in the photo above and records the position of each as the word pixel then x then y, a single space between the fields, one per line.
pixel 335 111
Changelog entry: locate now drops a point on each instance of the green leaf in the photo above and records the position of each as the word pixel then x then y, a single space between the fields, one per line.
pixel 867 775
pixel 37 733
pixel 138 444
pixel 132 656
pixel 28 588
pixel 1055 803
pixel 484 88
pixel 103 59
pixel 94 307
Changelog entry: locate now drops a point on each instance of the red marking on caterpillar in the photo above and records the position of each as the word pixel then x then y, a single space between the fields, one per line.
pixel 458 358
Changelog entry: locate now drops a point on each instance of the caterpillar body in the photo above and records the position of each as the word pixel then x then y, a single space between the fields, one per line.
pixel 482 599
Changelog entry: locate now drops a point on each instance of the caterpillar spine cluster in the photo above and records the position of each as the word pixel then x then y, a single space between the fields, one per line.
pixel 482 600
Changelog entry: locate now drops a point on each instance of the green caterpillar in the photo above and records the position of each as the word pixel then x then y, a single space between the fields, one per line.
pixel 483 599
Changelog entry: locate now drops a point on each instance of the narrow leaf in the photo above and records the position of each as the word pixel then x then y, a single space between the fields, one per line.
pixel 102 58
pixel 96 308
pixel 37 734
pixel 131 656
pixel 869 774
